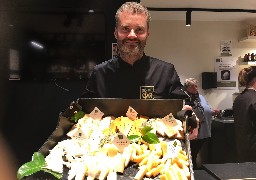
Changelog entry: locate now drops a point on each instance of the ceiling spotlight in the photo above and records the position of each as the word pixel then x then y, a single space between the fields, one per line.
pixel 188 18
pixel 37 45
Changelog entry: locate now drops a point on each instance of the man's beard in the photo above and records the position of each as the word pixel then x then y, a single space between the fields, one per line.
pixel 130 51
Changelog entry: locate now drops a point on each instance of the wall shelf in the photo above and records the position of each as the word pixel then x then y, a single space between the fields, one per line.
pixel 248 39
pixel 253 63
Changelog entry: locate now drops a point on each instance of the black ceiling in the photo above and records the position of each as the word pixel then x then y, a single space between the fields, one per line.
pixel 101 5
pixel 61 15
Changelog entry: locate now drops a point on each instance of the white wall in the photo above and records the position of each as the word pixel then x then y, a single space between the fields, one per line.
pixel 193 50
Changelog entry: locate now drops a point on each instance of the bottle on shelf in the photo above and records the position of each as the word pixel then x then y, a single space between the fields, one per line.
pixel 246 58
pixel 252 57
pixel 249 56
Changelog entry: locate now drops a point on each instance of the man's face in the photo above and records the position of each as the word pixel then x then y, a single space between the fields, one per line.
pixel 131 33
pixel 193 89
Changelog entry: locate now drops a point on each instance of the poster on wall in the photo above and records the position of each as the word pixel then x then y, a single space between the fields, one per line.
pixel 225 48
pixel 114 50
pixel 226 72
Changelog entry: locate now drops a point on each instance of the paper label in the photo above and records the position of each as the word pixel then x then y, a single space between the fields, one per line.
pixel 172 149
pixel 131 113
pixel 96 114
pixel 169 121
pixel 79 134
pixel 121 141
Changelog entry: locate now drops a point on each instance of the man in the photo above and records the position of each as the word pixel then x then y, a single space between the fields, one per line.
pixel 133 75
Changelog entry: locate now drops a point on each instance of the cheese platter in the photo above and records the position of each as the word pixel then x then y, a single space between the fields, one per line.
pixel 102 146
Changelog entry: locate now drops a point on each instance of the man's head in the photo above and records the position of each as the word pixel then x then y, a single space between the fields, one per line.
pixel 133 8
pixel 132 29
pixel 191 85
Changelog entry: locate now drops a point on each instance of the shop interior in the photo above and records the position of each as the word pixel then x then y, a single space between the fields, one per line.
pixel 48 49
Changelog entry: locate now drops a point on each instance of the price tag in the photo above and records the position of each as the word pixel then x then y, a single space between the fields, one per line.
pixel 121 141
pixel 79 134
pixel 170 121
pixel 96 114
pixel 172 149
pixel 131 113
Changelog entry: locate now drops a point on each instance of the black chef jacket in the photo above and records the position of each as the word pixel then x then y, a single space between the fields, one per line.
pixel 117 79
pixel 244 108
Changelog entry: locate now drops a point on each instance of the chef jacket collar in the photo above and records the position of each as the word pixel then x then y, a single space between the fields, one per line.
pixel 139 62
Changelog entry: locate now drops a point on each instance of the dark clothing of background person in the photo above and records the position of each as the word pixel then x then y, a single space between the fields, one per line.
pixel 117 79
pixel 204 113
pixel 244 109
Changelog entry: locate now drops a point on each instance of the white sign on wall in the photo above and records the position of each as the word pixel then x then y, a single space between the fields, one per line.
pixel 14 65
pixel 226 72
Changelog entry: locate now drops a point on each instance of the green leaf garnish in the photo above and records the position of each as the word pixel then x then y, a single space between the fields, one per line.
pixel 151 138
pixel 134 138
pixel 37 164
pixel 55 174
pixel 77 116
pixel 146 129
pixel 31 167
pixel 147 136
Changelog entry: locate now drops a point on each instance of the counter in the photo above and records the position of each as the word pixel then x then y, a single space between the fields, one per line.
pixel 232 170
pixel 203 175
pixel 222 143
pixel 224 120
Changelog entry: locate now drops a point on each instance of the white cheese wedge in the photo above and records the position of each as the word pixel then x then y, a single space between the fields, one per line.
pixel 95 139
pixel 112 176
pixel 127 154
pixel 161 128
pixel 93 168
pixel 119 163
pixel 105 123
pixel 140 174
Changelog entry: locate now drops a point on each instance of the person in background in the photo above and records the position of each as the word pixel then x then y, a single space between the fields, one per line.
pixel 244 109
pixel 204 113
pixel 132 74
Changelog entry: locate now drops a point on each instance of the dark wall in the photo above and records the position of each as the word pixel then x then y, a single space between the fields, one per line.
pixel 32 113
pixel 29 109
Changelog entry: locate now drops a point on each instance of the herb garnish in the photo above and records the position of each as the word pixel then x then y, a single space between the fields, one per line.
pixel 147 136
pixel 77 116
pixel 37 164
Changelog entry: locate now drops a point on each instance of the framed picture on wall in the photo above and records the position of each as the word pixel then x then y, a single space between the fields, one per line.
pixel 251 30
pixel 225 48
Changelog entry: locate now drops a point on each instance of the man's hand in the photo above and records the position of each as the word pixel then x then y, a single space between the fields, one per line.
pixel 187 107
pixel 193 132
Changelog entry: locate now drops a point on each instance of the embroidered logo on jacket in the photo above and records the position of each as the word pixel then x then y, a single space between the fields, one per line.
pixel 146 92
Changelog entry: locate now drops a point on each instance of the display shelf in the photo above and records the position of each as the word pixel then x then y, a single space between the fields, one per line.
pixel 248 39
